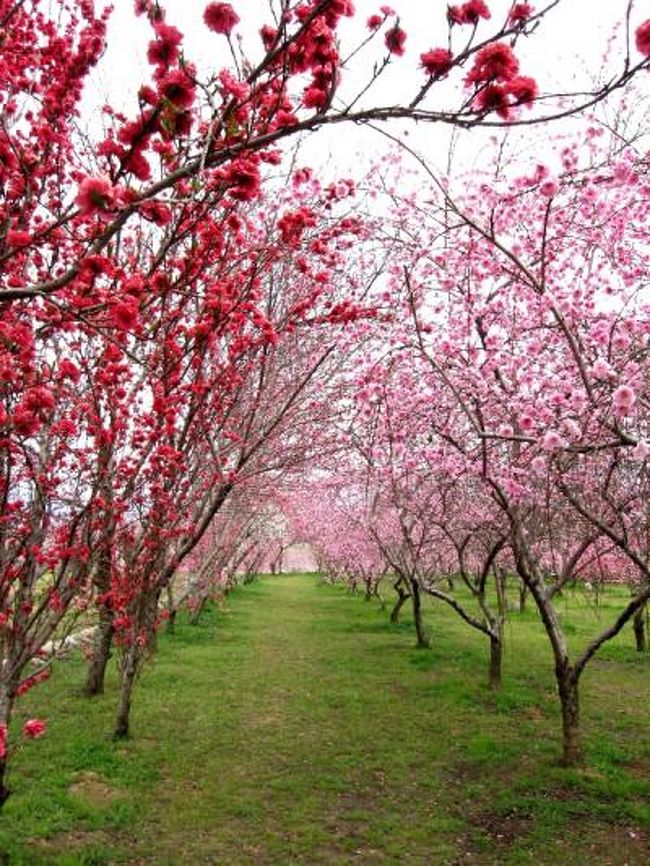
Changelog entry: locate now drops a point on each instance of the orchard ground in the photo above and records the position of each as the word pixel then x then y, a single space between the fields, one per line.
pixel 297 726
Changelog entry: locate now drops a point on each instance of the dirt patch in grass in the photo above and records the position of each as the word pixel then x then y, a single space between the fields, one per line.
pixel 91 788
pixel 619 846
pixel 502 830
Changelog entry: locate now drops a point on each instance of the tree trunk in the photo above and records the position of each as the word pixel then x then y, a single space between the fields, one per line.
pixel 4 790
pixel 567 684
pixel 399 604
pixel 523 594
pixel 6 705
pixel 198 610
pixel 639 625
pixel 95 676
pixel 171 611
pixel 420 630
pixel 496 656
pixel 129 671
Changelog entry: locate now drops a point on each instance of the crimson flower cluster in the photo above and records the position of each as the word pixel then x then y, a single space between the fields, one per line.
pixel 499 87
pixel 468 13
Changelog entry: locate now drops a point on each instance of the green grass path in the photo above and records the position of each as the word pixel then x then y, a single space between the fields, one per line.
pixel 299 727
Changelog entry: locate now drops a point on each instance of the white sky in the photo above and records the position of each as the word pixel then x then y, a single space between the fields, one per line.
pixel 567 51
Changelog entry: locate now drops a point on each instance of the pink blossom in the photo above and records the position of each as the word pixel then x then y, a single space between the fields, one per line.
pixel 552 441
pixel 641 450
pixel 621 340
pixel 623 399
pixel 34 728
pixel 526 423
pixel 549 188
pixel 572 428
pixel 601 369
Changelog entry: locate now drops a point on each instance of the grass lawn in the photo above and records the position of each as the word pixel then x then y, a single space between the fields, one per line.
pixel 299 727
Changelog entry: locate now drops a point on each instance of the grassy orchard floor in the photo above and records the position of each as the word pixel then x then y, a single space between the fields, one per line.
pixel 300 727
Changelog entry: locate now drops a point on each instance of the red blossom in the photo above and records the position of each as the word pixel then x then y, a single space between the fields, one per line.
pixel 338 9
pixel 292 225
pixel 493 98
pixel 125 313
pixel 34 728
pixel 96 194
pixel 25 422
pixel 314 97
pixel 163 50
pixel 468 13
pixel 18 238
pixel 39 399
pixel 520 13
pixel 523 89
pixel 495 62
pixel 642 38
pixel 374 22
pixel 437 61
pixel 269 35
pixel 395 39
pixel 69 370
pixel 156 212
pixel 220 17
pixel 244 179
pixel 178 88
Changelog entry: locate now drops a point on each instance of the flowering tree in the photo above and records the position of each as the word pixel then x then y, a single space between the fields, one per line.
pixel 120 313
pixel 535 348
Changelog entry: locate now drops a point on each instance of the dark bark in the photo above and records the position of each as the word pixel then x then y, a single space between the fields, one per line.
pixel 129 671
pixel 399 604
pixel 523 595
pixel 4 790
pixel 402 596
pixel 567 683
pixel 496 657
pixel 198 610
pixel 96 674
pixel 6 706
pixel 639 626
pixel 420 630
pixel 171 611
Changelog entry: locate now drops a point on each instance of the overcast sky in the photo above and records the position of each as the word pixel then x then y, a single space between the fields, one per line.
pixel 567 52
